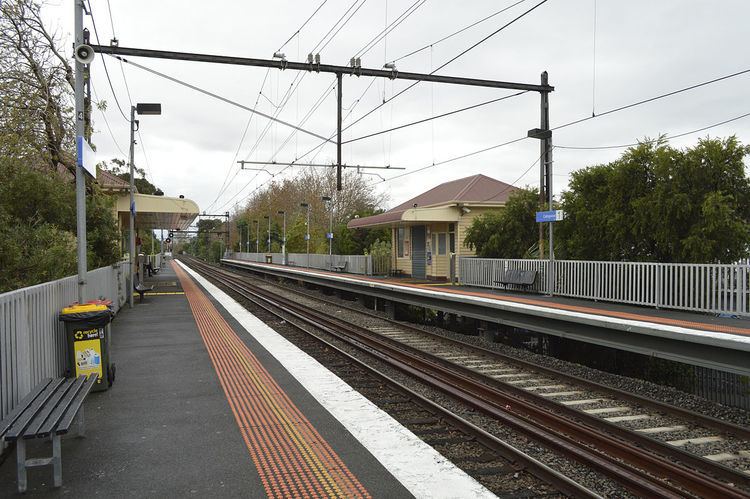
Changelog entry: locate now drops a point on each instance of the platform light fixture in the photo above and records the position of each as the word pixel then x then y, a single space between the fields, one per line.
pixel 328 200
pixel 145 109
pixel 283 238
pixel 307 231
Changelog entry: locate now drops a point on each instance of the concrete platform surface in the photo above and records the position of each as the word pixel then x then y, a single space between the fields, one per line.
pixel 169 427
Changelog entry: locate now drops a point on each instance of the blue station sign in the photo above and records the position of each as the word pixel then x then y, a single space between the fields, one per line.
pixel 550 216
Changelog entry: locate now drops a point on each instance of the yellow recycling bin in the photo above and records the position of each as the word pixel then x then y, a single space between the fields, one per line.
pixel 87 332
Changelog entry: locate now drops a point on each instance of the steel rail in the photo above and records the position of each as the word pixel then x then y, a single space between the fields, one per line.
pixel 716 469
pixel 704 420
pixel 491 400
pixel 519 460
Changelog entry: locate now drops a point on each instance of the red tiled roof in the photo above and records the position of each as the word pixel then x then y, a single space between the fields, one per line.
pixel 109 180
pixel 477 189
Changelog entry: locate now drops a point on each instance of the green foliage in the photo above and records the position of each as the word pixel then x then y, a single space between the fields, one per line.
pixel 657 203
pixel 207 245
pixel 509 233
pixel 38 226
pixel 358 241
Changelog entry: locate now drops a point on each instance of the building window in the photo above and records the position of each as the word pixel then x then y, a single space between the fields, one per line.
pixel 452 238
pixel 400 241
pixel 441 243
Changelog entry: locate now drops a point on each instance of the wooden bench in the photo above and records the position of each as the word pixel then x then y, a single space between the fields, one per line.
pixel 47 412
pixel 515 277
pixel 340 267
pixel 397 272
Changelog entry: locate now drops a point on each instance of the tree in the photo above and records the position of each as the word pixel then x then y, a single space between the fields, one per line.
pixel 658 203
pixel 38 225
pixel 357 198
pixel 36 89
pixel 37 158
pixel 508 233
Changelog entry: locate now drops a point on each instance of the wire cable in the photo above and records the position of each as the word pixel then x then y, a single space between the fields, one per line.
pixel 424 120
pixel 651 99
pixel 462 53
pixel 394 24
pixel 104 63
pixel 106 122
pixel 216 96
pixel 667 137
pixel 457 32
pixel 301 27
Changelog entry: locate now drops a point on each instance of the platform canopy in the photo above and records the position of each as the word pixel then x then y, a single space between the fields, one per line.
pixel 158 212
pixel 151 212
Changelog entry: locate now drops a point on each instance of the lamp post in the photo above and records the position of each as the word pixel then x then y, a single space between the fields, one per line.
pixel 329 204
pixel 257 237
pixel 283 238
pixel 143 109
pixel 268 217
pixel 307 231
pixel 247 246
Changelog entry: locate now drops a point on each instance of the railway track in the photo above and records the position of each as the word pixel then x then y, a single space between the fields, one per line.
pixel 476 377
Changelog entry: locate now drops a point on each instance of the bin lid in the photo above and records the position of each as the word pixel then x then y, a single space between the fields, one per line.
pixel 78 308
pixel 94 314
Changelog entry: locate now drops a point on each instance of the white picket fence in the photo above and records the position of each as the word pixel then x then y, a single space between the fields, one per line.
pixel 32 339
pixel 355 264
pixel 715 288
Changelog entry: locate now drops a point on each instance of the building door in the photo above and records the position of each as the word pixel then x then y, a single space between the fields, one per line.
pixel 418 252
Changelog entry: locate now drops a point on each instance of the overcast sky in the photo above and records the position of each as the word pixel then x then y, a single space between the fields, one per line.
pixel 643 48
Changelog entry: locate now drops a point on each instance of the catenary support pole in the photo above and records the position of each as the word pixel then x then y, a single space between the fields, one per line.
pixel 546 187
pixel 80 174
pixel 543 125
pixel 131 233
pixel 340 95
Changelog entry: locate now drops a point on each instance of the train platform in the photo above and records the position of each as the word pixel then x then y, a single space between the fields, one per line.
pixel 700 339
pixel 211 402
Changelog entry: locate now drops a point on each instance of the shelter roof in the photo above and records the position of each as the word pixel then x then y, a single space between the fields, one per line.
pixel 111 182
pixel 474 190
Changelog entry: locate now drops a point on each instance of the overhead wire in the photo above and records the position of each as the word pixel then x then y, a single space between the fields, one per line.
pixel 458 32
pixel 222 189
pixel 292 90
pixel 302 26
pixel 106 122
pixel 408 12
pixel 666 137
pixel 104 63
pixel 460 54
pixel 389 28
pixel 431 118
pixel 125 81
pixel 574 122
pixel 319 146
pixel 217 96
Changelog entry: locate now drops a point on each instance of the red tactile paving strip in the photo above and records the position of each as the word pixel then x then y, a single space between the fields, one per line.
pixel 703 326
pixel 291 457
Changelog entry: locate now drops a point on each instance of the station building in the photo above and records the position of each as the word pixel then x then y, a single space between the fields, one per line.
pixel 152 212
pixel 428 231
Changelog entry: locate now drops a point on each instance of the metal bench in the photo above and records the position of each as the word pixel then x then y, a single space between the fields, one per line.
pixel 141 289
pixel 47 412
pixel 515 277
pixel 340 267
pixel 397 272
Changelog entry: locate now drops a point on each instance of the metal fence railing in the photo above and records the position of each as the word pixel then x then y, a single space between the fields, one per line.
pixel 715 288
pixel 32 340
pixel 354 264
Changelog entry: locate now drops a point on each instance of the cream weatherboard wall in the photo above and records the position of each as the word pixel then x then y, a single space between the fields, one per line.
pixel 439 266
